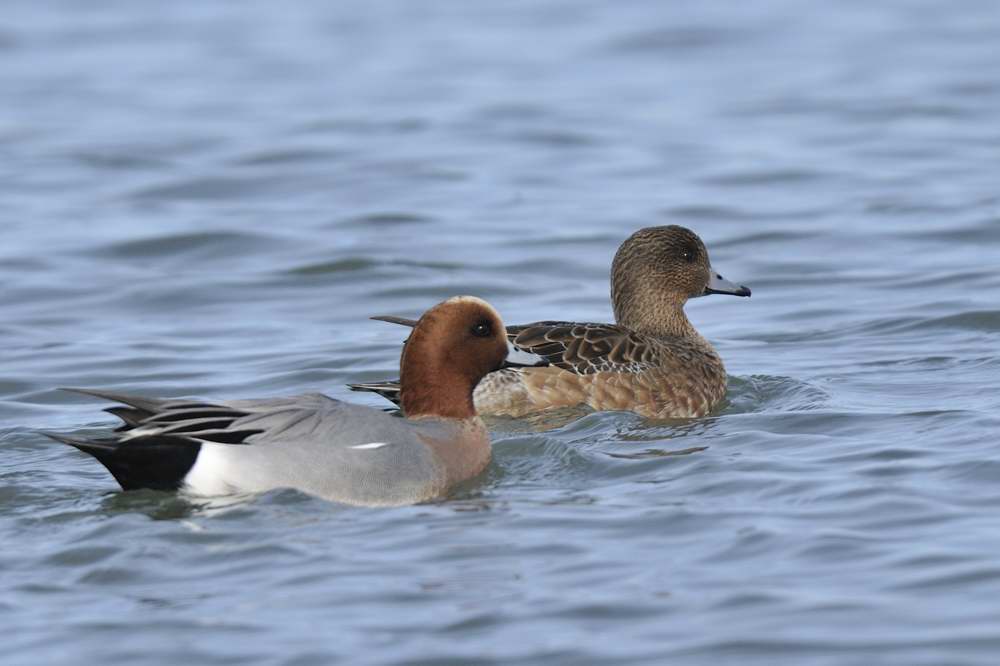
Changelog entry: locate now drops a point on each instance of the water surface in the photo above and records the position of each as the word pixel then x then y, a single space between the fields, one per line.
pixel 211 199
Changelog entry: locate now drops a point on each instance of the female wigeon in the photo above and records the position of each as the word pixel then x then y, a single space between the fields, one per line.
pixel 652 362
pixel 332 449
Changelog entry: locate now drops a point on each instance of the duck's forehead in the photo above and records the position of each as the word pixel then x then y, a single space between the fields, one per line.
pixel 677 235
pixel 470 307
pixel 466 300
pixel 665 236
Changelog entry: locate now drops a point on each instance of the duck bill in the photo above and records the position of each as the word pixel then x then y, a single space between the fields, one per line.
pixel 519 358
pixel 720 285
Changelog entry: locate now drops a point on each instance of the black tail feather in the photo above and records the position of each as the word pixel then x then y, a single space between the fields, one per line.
pixel 131 416
pixel 87 445
pixel 402 321
pixel 145 404
pixel 157 462
pixel 189 413
pixel 389 389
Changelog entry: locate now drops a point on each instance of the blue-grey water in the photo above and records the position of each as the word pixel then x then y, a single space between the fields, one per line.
pixel 210 199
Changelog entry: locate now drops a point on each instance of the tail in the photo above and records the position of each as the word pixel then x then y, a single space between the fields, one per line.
pixel 140 455
pixel 402 321
pixel 388 389
pixel 158 462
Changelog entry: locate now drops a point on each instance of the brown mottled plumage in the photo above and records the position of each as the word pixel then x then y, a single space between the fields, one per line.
pixel 652 362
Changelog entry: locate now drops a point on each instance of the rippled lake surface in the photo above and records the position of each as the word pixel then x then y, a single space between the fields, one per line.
pixel 209 199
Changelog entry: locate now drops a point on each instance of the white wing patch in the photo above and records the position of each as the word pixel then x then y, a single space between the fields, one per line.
pixel 142 431
pixel 370 446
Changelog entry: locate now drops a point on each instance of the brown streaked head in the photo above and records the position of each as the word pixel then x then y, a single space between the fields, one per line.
pixel 655 271
pixel 453 346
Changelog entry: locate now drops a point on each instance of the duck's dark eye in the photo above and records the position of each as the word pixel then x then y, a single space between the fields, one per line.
pixel 689 255
pixel 481 329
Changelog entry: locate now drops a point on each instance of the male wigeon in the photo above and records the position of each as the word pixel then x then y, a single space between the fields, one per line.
pixel 652 362
pixel 332 449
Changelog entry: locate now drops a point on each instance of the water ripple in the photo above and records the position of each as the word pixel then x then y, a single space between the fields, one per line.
pixel 210 199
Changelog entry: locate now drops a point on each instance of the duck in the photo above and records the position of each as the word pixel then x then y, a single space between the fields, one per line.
pixel 335 450
pixel 652 361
